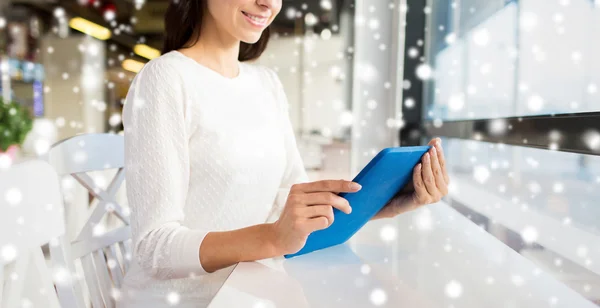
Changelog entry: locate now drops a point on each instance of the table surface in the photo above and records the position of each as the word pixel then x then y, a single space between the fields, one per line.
pixel 432 257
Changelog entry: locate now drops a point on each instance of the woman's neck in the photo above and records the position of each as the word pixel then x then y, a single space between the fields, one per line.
pixel 216 50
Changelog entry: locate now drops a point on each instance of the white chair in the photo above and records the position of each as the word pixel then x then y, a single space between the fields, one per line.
pixel 104 255
pixel 31 215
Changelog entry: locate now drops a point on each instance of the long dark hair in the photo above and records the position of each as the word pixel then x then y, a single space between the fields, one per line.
pixel 182 25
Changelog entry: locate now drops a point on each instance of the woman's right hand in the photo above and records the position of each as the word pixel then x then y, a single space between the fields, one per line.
pixel 309 208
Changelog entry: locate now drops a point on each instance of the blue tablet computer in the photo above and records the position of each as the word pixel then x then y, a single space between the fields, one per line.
pixel 384 176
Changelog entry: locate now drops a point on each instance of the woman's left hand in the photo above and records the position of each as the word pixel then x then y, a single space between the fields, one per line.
pixel 429 184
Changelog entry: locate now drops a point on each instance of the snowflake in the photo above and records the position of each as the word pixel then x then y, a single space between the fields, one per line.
pixel 558 187
pixel 372 104
pixel 454 289
pixel 558 262
pixel 517 280
pixel 447 248
pixel 592 88
pixel 450 38
pixel 115 119
pixel 587 288
pixel 489 280
pixel 260 304
pixel 409 102
pixel 378 297
pixel 173 298
pixel 529 21
pixel 481 174
pixel 423 220
pixel 535 103
pixel 116 294
pixel 424 71
pixel 529 234
pixel 325 34
pixel 59 12
pixel 366 72
pixel 310 19
pixel 326 5
pixel 576 56
pixel 582 251
pixel 388 233
pixel 485 68
pixel 13 196
pixel 534 187
pixel 591 138
pixel 456 102
pixel 413 52
pixel 9 253
pixel 365 269
pixel 99 230
pixel 2 22
pixel 61 276
pixel 481 37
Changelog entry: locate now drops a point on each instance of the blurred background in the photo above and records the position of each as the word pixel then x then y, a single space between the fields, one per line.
pixel 510 85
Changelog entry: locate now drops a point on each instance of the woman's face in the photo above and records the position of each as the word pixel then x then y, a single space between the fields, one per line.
pixel 244 19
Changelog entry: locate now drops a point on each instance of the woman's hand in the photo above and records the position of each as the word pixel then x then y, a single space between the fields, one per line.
pixel 429 184
pixel 309 208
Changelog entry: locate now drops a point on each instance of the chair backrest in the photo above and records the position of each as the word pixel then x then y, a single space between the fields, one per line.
pixel 104 260
pixel 31 215
pixel 81 154
pixel 104 256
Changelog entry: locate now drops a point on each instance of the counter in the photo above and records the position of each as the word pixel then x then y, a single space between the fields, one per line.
pixel 433 257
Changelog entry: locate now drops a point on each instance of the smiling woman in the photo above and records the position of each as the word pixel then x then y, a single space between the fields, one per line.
pixel 214 174
pixel 242 19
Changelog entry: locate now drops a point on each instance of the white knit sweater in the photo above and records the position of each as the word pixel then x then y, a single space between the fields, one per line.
pixel 203 153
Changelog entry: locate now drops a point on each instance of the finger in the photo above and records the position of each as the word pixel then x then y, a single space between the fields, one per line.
pixel 336 186
pixel 428 176
pixel 420 190
pixel 328 198
pixel 437 173
pixel 442 160
pixel 316 224
pixel 320 210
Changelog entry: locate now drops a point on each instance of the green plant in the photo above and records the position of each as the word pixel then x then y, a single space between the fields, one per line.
pixel 15 123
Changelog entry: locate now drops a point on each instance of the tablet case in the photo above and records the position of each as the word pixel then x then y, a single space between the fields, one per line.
pixel 385 175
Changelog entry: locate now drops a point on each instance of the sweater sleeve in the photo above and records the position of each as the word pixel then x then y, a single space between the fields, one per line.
pixel 294 172
pixel 156 124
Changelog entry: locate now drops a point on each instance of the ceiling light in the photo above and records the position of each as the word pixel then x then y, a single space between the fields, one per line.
pixel 132 65
pixel 146 51
pixel 90 28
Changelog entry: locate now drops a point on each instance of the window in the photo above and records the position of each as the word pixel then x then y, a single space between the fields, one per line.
pixel 515 91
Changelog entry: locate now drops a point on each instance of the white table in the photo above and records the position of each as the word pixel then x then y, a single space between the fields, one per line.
pixel 436 258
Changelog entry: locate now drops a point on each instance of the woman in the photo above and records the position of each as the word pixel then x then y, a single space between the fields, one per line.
pixel 213 173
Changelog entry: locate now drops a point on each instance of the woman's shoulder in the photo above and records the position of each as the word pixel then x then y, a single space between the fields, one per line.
pixel 163 71
pixel 168 63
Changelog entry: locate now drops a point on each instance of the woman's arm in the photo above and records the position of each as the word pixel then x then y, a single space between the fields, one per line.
pixel 157 173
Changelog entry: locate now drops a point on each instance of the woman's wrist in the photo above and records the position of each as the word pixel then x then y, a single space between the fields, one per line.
pixel 271 242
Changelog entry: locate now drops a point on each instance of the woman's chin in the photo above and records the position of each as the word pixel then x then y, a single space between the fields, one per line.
pixel 251 38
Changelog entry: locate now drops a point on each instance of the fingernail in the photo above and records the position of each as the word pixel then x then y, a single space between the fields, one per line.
pixel 426 157
pixel 349 210
pixel 434 151
pixel 355 186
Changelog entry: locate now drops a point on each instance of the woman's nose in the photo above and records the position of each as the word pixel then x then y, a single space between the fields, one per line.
pixel 271 4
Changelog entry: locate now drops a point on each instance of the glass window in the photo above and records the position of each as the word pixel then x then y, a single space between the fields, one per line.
pixel 527 57
pixel 498 59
